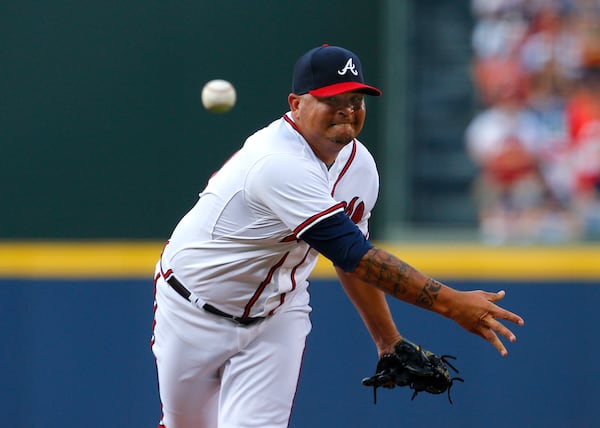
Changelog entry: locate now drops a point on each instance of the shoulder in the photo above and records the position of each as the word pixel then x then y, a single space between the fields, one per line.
pixel 284 169
pixel 276 138
pixel 357 174
pixel 364 155
pixel 356 159
pixel 283 163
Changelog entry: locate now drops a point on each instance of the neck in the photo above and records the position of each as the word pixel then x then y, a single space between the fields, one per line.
pixel 328 157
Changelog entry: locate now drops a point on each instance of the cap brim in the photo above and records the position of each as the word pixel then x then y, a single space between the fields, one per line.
pixel 340 88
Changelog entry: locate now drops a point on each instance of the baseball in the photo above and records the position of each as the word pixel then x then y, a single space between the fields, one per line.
pixel 218 96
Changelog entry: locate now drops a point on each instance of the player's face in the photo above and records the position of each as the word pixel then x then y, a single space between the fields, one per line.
pixel 328 124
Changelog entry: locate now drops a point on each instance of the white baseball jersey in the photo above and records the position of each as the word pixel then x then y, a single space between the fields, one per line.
pixel 238 248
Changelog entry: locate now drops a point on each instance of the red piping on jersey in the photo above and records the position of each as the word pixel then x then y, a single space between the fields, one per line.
pixel 292 123
pixel 342 173
pixel 166 275
pixel 289 238
pixel 154 310
pixel 346 167
pixel 293 279
pixel 350 159
pixel 152 340
pixel 262 286
pixel 317 216
pixel 348 162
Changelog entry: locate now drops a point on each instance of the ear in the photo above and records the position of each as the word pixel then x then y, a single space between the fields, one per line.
pixel 294 102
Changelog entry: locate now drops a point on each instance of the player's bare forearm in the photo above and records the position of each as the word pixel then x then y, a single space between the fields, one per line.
pixel 400 280
pixel 372 307
pixel 475 311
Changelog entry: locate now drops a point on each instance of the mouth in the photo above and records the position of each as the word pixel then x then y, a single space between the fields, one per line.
pixel 345 122
pixel 342 126
pixel 343 133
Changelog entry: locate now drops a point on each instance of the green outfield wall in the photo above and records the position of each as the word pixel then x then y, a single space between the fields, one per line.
pixel 102 132
pixel 103 135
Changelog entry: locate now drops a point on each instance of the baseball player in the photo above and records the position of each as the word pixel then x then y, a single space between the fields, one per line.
pixel 231 300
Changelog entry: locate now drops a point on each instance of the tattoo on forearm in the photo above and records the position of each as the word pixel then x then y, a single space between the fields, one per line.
pixel 429 293
pixel 397 278
pixel 386 272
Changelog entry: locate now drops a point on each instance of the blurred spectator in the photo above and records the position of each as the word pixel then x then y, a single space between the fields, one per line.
pixel 584 125
pixel 496 77
pixel 499 29
pixel 547 103
pixel 536 140
pixel 512 193
pixel 552 42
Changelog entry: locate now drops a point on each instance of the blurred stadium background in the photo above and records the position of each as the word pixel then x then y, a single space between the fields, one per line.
pixel 105 145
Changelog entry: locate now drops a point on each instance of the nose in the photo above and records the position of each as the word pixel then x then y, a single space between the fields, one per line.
pixel 346 110
pixel 347 106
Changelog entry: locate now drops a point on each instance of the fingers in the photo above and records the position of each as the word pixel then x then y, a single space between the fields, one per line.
pixel 491 337
pixel 491 328
pixel 488 331
pixel 494 297
pixel 503 331
pixel 502 313
pixel 497 343
pixel 480 315
pixel 508 316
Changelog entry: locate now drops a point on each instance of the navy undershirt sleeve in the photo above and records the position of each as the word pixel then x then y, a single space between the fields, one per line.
pixel 338 239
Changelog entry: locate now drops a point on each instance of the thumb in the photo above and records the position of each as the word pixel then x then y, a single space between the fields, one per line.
pixel 494 297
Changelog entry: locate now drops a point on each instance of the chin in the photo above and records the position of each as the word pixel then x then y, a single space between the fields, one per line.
pixel 343 137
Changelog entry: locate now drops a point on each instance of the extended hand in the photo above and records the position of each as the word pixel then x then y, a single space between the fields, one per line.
pixel 476 312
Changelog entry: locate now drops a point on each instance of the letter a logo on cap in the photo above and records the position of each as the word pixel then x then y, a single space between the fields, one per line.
pixel 349 66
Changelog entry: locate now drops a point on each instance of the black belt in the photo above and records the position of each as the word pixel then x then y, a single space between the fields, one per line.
pixel 185 293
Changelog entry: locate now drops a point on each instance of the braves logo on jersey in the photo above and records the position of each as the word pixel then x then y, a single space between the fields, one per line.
pixel 355 210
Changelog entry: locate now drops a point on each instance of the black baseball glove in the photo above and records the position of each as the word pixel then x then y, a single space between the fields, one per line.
pixel 412 366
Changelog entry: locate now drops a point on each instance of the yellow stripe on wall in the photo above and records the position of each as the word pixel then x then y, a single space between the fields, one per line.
pixel 440 260
pixel 473 261
pixel 78 259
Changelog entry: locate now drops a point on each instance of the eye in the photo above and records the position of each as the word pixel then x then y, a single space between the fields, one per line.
pixel 357 102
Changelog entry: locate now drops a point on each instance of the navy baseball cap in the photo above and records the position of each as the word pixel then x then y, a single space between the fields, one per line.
pixel 329 70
